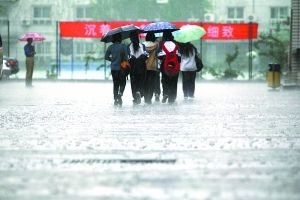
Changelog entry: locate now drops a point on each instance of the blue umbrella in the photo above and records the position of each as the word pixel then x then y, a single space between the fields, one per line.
pixel 157 27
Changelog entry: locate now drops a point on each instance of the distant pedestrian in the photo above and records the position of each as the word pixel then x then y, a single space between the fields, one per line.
pixel 1 56
pixel 170 66
pixel 137 59
pixel 188 68
pixel 29 53
pixel 116 53
pixel 152 74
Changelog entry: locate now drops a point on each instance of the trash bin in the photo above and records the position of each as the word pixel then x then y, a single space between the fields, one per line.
pixel 273 75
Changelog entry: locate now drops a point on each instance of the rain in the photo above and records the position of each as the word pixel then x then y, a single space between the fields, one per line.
pixel 63 138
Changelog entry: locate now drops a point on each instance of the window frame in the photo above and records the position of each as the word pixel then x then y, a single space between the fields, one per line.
pixel 235 12
pixel 41 14
pixel 81 49
pixel 276 12
pixel 86 12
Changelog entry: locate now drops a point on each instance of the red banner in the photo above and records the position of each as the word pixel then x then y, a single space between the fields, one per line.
pixel 230 31
pixel 214 31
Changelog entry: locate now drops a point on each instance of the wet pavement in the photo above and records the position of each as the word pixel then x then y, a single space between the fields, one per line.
pixel 65 140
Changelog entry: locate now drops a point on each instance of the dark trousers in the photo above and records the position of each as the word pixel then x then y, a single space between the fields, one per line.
pixel 157 83
pixel 137 82
pixel 119 81
pixel 149 84
pixel 169 84
pixel 188 83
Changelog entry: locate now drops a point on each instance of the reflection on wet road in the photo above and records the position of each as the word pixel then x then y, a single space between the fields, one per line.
pixel 66 140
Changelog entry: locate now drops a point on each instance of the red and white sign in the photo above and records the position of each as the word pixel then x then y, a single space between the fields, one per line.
pixel 214 31
pixel 92 29
pixel 230 31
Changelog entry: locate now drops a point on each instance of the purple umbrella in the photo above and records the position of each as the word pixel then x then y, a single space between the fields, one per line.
pixel 157 27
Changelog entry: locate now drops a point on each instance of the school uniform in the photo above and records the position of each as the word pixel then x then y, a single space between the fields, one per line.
pixel 151 71
pixel 114 54
pixel 188 70
pixel 169 83
pixel 137 60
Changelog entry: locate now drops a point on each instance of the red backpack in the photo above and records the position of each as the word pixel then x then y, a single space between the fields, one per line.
pixel 171 63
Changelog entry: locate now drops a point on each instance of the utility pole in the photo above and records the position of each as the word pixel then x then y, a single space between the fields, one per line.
pixel 8 38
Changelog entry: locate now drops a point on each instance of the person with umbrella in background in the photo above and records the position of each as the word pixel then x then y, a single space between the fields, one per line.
pixel 152 82
pixel 29 53
pixel 137 59
pixel 115 53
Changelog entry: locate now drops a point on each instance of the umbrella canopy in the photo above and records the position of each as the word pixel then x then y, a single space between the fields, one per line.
pixel 124 30
pixel 188 33
pixel 157 27
pixel 35 37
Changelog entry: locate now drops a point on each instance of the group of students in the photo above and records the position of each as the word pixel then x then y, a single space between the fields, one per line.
pixel 147 61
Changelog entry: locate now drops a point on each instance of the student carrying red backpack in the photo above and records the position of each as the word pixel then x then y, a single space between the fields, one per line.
pixel 170 67
pixel 171 63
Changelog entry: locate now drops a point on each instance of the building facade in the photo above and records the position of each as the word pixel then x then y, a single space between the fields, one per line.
pixel 295 43
pixel 23 16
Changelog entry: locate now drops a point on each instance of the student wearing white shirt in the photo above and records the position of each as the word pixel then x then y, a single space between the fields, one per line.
pixel 188 68
pixel 137 59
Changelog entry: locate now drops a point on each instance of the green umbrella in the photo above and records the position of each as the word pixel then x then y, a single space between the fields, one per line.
pixel 188 33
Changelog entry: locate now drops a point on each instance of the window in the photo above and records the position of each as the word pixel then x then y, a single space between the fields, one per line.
pixel 43 51
pixel 83 12
pixel 82 48
pixel 41 12
pixel 42 15
pixel 235 13
pixel 279 12
pixel 162 1
pixel 43 48
pixel 3 22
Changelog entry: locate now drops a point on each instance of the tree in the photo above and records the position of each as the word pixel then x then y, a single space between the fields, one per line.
pixel 149 10
pixel 1 10
pixel 230 73
pixel 274 46
pixel 231 57
pixel 88 59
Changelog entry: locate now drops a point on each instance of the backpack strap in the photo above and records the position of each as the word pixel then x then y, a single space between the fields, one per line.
pixel 176 48
pixel 166 50
pixel 144 47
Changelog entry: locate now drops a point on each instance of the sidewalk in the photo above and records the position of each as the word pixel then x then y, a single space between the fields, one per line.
pixel 65 140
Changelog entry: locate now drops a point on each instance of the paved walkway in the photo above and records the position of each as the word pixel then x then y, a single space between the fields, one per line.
pixel 66 141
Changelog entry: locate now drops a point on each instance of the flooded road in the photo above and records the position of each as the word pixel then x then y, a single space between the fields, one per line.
pixel 66 140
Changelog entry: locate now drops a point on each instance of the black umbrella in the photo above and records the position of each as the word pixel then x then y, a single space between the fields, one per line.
pixel 125 32
pixel 157 27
